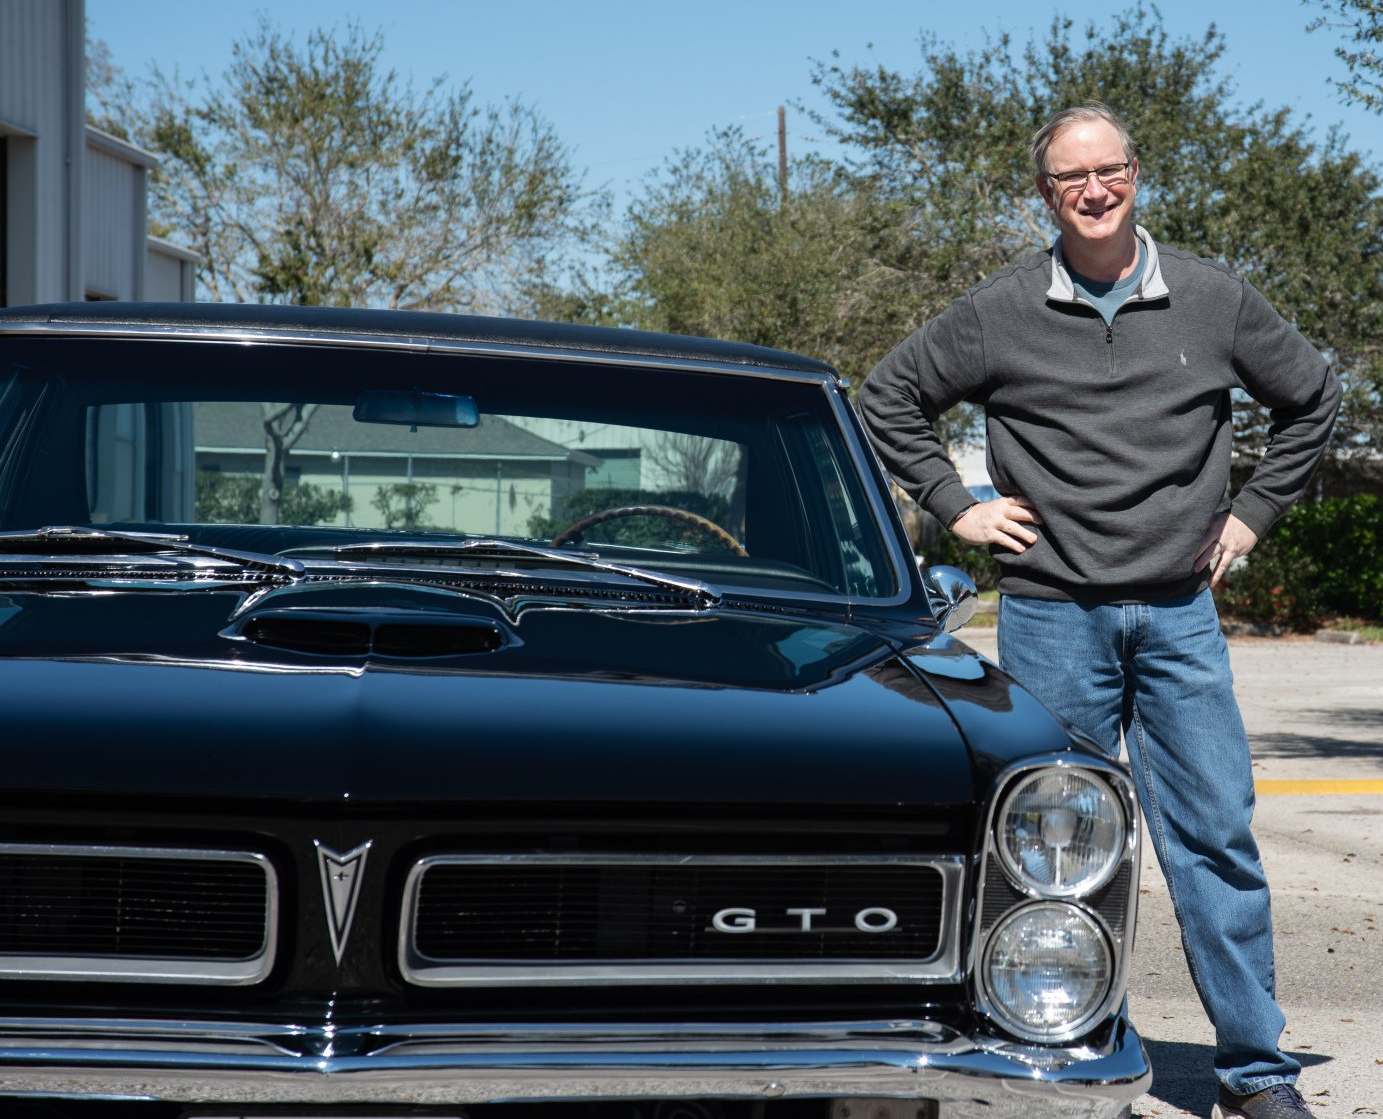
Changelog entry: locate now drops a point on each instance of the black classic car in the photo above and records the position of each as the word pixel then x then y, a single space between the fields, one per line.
pixel 422 715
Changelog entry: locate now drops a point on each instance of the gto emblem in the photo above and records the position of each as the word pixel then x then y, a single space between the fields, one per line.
pixel 874 919
pixel 341 875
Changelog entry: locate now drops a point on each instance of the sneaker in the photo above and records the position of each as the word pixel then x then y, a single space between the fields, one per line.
pixel 1281 1101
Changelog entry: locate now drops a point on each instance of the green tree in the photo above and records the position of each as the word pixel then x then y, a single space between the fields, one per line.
pixel 717 245
pixel 952 139
pixel 109 91
pixel 1304 223
pixel 1362 20
pixel 1301 220
pixel 309 174
pixel 712 247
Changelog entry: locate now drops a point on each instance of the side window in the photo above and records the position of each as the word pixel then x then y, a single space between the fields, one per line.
pixel 12 408
pixel 139 463
pixel 844 538
pixel 22 398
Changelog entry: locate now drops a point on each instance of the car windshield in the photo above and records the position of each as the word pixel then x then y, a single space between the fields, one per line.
pixel 739 479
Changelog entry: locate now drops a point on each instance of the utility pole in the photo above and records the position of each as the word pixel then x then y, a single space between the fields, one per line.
pixel 782 157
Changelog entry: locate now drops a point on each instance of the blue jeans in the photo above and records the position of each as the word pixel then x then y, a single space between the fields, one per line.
pixel 1159 673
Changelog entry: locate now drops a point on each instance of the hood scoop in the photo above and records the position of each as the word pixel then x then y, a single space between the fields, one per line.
pixel 367 633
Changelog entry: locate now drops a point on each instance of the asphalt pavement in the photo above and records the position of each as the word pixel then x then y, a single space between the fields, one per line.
pixel 1314 712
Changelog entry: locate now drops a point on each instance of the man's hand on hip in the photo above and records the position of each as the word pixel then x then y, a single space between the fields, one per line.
pixel 1225 541
pixel 1003 521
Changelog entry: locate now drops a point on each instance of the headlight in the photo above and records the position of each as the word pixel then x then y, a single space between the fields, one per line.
pixel 1061 833
pixel 1047 970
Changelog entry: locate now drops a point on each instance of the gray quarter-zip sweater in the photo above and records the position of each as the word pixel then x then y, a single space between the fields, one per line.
pixel 1118 434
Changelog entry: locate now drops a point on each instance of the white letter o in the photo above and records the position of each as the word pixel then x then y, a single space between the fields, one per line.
pixel 865 925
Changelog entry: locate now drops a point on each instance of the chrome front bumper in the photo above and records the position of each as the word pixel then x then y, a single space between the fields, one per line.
pixel 968 1075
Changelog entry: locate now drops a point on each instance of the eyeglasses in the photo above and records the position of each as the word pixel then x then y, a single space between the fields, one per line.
pixel 1115 174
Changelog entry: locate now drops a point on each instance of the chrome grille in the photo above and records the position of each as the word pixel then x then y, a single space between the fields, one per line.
pixel 137 914
pixel 553 919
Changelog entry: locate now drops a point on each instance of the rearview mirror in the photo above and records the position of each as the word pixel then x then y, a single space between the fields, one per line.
pixel 415 408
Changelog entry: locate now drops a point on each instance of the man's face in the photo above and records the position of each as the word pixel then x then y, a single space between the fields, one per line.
pixel 1091 213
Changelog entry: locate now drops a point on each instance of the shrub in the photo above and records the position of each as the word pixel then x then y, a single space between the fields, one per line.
pixel 1273 588
pixel 402 504
pixel 1344 538
pixel 1322 558
pixel 234 499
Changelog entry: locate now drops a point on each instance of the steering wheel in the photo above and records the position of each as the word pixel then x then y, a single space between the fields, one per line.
pixel 721 536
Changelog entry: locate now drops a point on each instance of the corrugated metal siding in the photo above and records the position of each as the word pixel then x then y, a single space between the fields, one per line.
pixel 59 246
pixel 33 60
pixel 112 196
pixel 168 278
pixel 34 100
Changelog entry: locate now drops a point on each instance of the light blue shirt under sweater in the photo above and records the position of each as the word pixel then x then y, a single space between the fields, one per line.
pixel 1108 298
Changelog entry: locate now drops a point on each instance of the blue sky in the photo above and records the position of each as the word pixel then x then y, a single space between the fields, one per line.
pixel 626 83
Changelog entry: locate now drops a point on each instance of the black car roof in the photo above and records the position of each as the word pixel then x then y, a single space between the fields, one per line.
pixel 422 327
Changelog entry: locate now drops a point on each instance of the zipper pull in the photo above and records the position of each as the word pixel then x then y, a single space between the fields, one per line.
pixel 1109 333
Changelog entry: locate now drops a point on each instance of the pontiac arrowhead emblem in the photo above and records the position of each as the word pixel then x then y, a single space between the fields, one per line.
pixel 341 878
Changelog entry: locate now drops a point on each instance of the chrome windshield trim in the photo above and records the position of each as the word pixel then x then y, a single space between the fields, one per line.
pixel 943 967
pixel 75 967
pixel 241 335
pixel 974 1074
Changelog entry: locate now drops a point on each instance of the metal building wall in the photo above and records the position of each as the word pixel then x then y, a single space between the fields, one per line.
pixel 114 217
pixel 42 110
pixel 170 274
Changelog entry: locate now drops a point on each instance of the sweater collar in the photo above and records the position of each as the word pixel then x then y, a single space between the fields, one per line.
pixel 1151 286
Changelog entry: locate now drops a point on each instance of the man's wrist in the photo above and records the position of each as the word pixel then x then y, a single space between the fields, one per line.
pixel 951 524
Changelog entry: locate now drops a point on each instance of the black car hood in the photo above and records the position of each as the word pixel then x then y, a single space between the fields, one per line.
pixel 153 692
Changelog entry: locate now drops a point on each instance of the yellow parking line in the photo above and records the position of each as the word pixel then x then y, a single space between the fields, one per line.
pixel 1316 788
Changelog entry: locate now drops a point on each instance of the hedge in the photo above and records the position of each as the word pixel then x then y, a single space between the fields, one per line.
pixel 1322 559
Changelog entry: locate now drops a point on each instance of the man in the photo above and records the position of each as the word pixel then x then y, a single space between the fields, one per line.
pixel 1105 366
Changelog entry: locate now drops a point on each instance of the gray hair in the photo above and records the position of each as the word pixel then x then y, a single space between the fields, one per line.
pixel 1090 111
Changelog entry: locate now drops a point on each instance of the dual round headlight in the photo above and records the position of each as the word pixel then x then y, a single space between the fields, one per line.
pixel 1048 969
pixel 1049 965
pixel 1061 833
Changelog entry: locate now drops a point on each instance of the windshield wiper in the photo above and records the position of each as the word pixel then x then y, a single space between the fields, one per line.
pixel 507 549
pixel 70 540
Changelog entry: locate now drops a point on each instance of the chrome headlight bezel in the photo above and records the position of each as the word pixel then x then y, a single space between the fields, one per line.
pixel 1109 900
